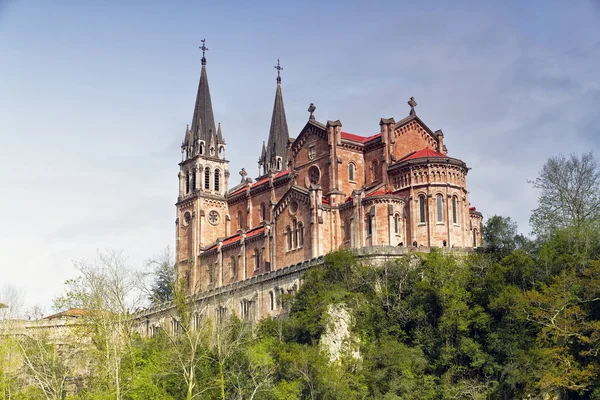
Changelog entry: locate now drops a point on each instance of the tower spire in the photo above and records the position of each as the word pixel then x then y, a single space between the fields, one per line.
pixel 203 121
pixel 276 156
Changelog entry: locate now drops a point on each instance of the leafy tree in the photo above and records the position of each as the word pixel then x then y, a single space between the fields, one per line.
pixel 500 234
pixel 569 193
pixel 163 276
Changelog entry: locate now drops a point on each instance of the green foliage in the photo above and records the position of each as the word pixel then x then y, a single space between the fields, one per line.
pixel 500 234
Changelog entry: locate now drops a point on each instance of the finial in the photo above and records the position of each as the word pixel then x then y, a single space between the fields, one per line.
pixel 311 110
pixel 204 50
pixel 412 103
pixel 243 174
pixel 279 69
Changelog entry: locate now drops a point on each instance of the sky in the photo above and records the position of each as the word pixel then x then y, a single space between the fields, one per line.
pixel 95 97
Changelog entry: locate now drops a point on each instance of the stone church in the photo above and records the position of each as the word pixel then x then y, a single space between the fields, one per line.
pixel 323 190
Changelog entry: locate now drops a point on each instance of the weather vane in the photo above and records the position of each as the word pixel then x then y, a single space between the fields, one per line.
pixel 204 50
pixel 279 69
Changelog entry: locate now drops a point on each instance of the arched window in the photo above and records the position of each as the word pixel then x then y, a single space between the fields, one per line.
pixel 272 300
pixel 206 178
pixel 217 180
pixel 288 232
pixel 422 209
pixel 187 182
pixel 474 237
pixel 256 259
pixel 440 207
pixel 263 212
pixel 233 268
pixel 211 273
pixel 295 230
pixel 396 223
pixel 369 225
pixel 300 234
pixel 240 220
pixel 194 179
pixel 201 148
pixel 279 166
pixel 454 211
pixel 375 167
pixel 351 169
pixel 347 228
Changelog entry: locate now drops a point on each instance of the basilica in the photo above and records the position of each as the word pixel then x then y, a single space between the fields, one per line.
pixel 323 190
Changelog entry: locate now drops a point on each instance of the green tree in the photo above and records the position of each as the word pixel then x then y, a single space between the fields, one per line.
pixel 162 275
pixel 500 234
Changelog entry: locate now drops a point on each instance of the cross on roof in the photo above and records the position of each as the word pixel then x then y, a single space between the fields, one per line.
pixel 204 50
pixel 412 103
pixel 311 110
pixel 279 69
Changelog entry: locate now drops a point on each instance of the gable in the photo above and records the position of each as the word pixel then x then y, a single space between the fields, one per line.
pixel 312 133
pixel 410 135
pixel 295 193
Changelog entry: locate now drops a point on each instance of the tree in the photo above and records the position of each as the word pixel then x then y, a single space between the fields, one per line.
pixel 47 362
pixel 569 193
pixel 163 276
pixel 106 290
pixel 499 234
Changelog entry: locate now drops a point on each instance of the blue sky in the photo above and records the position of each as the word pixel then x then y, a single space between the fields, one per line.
pixel 95 97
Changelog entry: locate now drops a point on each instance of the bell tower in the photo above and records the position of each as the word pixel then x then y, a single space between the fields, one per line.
pixel 202 213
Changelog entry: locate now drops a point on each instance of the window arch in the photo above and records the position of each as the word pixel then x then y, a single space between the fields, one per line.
pixel 217 180
pixel 206 178
pixel 187 182
pixel 194 187
pixel 474 237
pixel 440 207
pixel 201 148
pixel 279 164
pixel 396 223
pixel 263 212
pixel 422 209
pixel 295 230
pixel 240 220
pixel 351 171
pixel 288 232
pixel 375 168
pixel 272 300
pixel 256 259
pixel 300 234
pixel 454 210
pixel 369 225
pixel 233 268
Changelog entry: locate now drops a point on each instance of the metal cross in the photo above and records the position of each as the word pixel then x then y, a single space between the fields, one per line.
pixel 279 69
pixel 203 47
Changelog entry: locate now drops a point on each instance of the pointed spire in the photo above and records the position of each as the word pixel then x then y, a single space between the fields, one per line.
pixel 220 139
pixel 278 134
pixel 203 121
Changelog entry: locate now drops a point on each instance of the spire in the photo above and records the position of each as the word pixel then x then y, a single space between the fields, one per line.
pixel 220 139
pixel 203 121
pixel 278 134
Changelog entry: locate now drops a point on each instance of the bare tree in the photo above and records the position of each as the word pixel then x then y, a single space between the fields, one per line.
pixel 569 193
pixel 49 362
pixel 107 292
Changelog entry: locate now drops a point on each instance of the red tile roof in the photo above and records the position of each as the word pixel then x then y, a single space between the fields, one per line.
pixel 358 138
pixel 378 193
pixel 72 312
pixel 425 153
pixel 236 238
pixel 262 181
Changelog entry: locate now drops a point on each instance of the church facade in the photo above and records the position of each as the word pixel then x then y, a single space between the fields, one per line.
pixel 324 190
